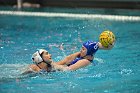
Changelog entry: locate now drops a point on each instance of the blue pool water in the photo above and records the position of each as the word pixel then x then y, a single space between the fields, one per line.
pixel 117 71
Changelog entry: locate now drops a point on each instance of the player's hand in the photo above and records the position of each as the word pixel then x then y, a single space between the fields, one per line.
pixel 110 46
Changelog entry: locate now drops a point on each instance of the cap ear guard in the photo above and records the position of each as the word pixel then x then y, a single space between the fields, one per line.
pixel 36 57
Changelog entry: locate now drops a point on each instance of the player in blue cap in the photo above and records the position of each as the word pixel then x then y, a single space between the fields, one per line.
pixel 80 59
pixel 91 48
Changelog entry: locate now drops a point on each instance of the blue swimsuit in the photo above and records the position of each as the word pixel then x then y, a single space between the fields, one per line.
pixel 77 59
pixel 91 47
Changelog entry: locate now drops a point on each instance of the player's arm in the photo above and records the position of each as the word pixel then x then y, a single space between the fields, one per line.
pixel 68 59
pixel 77 65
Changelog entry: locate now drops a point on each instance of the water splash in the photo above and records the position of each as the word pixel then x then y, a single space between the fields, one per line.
pixel 126 72
pixel 99 60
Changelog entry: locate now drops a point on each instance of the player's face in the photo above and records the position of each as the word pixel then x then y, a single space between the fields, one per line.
pixel 83 51
pixel 46 56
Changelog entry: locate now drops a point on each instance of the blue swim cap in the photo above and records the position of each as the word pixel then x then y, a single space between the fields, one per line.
pixel 91 47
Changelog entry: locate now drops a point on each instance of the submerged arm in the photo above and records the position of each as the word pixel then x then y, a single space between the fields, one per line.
pixel 29 69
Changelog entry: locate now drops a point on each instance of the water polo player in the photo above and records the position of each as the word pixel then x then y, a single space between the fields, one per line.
pixel 41 59
pixel 80 59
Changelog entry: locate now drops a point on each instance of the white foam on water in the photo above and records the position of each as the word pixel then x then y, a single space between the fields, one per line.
pixel 99 60
pixel 9 71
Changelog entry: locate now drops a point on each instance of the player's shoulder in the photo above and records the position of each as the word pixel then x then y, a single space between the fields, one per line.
pixel 34 67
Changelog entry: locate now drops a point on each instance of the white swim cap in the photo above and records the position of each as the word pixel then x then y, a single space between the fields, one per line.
pixel 36 57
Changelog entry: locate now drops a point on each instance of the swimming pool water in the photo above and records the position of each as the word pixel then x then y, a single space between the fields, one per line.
pixel 117 70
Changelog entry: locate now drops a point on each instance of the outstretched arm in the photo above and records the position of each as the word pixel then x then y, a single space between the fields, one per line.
pixel 77 65
pixel 68 59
